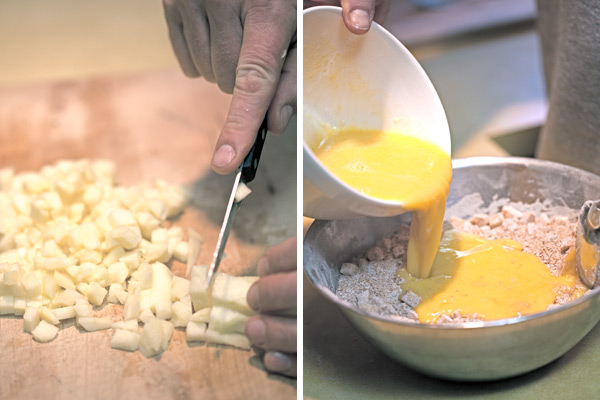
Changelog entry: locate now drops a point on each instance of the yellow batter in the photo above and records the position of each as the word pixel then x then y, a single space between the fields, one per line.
pixel 397 167
pixel 493 278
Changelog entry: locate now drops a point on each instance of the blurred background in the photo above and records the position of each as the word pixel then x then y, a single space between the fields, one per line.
pixel 61 39
pixel 483 57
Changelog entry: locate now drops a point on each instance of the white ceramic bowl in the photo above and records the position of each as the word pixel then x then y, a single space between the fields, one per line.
pixel 369 81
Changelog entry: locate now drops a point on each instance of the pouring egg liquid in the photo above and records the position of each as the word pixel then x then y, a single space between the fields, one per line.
pixel 397 167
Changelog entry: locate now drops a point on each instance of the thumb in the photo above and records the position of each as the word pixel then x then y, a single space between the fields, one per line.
pixel 265 41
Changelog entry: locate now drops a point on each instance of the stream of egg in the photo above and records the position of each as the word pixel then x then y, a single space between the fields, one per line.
pixel 451 271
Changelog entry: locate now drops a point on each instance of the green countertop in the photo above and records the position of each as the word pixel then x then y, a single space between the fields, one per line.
pixel 340 364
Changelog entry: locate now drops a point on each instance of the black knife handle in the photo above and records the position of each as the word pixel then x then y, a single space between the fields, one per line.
pixel 250 164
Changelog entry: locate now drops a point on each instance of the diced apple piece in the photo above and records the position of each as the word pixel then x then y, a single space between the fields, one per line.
pixel 158 296
pixel 182 312
pixel 157 252
pixel 163 310
pixel 81 272
pixel 132 259
pixel 158 208
pixel 113 256
pixel 44 332
pixel 11 277
pixel 226 320
pixel 92 195
pixel 50 287
pixel 120 216
pixel 64 312
pixel 83 308
pixel 242 192
pixel 7 305
pixel 20 305
pixel 117 294
pixel 51 249
pixel 54 263
pixel 160 235
pixel 131 325
pixel 181 251
pixel 67 297
pixel 151 338
pixel 123 339
pixel 118 272
pixel 31 318
pixel 232 339
pixel 200 298
pixel 76 212
pixel 168 329
pixel 92 324
pixel 32 285
pixel 195 245
pixel 195 331
pixel 202 315
pixel 127 237
pixel 89 256
pixel 99 276
pixel 96 294
pixel 230 291
pixel 144 276
pixel 146 315
pixel 85 235
pixel 131 310
pixel 48 316
pixel 147 222
pixel 180 288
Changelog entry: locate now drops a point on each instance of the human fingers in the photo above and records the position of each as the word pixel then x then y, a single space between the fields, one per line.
pixel 178 42
pixel 274 293
pixel 225 41
pixel 197 35
pixel 358 15
pixel 281 363
pixel 272 333
pixel 280 258
pixel 268 30
pixel 283 105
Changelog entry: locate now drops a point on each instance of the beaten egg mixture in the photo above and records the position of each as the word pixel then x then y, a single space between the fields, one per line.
pixel 453 271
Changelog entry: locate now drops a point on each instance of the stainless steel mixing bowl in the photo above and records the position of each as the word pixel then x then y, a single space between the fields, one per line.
pixel 473 351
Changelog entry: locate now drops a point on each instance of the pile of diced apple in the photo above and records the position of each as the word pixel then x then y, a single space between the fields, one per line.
pixel 72 240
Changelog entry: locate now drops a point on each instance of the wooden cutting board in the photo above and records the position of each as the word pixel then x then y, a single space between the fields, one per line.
pixel 157 125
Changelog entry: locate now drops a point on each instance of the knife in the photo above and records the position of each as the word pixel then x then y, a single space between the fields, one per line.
pixel 245 174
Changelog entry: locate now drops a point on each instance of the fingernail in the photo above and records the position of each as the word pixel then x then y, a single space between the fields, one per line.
pixel 252 298
pixel 223 156
pixel 263 267
pixel 255 330
pixel 277 362
pixel 360 19
pixel 286 113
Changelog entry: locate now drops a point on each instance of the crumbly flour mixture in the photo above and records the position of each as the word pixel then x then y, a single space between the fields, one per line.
pixel 370 282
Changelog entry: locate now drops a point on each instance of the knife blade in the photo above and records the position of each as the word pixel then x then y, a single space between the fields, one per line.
pixel 245 174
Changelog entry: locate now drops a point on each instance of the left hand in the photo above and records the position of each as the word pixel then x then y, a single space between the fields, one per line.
pixel 273 297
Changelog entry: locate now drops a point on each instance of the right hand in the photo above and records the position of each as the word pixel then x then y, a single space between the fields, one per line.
pixel 357 14
pixel 249 48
